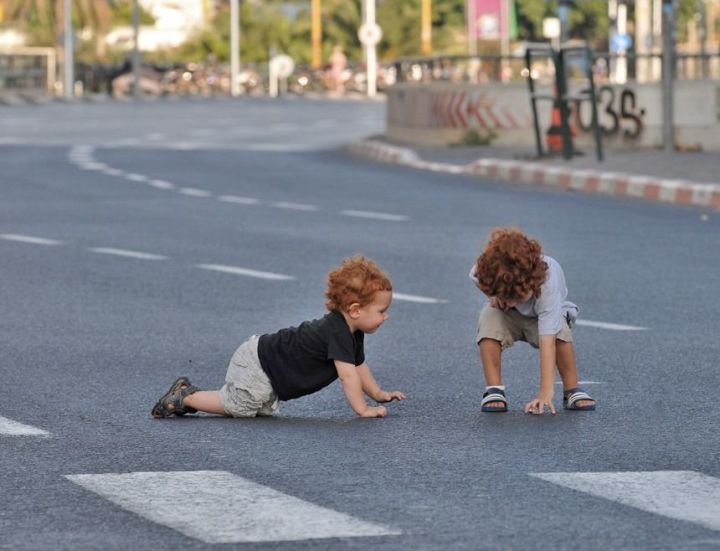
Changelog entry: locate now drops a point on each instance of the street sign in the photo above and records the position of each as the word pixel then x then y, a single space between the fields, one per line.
pixel 282 65
pixel 369 34
pixel 620 42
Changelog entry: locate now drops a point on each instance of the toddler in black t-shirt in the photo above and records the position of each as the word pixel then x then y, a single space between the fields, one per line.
pixel 301 360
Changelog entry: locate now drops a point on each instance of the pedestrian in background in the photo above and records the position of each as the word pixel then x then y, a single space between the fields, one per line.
pixel 527 302
pixel 338 64
pixel 297 361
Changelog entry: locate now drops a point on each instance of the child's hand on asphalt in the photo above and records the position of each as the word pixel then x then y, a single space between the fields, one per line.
pixel 537 404
pixel 375 411
pixel 385 396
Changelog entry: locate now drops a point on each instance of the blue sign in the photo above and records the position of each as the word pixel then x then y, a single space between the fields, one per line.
pixel 620 42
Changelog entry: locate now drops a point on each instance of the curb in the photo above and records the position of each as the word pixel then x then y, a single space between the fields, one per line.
pixel 652 188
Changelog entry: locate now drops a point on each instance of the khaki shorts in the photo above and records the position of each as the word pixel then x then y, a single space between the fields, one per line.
pixel 247 391
pixel 508 327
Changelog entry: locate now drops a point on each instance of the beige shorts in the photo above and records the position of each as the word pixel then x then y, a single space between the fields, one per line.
pixel 508 327
pixel 247 391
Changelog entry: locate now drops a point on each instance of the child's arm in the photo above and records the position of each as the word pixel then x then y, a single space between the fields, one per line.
pixel 547 371
pixel 373 390
pixel 353 388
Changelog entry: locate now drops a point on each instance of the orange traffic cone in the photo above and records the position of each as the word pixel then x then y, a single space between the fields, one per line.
pixel 553 136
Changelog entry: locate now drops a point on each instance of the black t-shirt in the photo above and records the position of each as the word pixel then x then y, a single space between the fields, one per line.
pixel 300 360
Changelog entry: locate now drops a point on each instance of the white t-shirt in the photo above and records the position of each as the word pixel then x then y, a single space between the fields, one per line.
pixel 552 306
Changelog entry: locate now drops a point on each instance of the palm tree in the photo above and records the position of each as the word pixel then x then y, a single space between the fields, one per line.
pixel 43 19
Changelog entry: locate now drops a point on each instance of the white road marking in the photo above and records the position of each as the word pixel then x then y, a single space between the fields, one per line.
pixel 417 298
pixel 194 192
pixel 375 215
pixel 91 166
pixel 244 272
pixel 277 147
pixel 128 254
pixel 611 326
pixel 161 184
pixel 29 239
pixel 133 177
pixel 237 199
pixel 113 171
pixel 583 383
pixel 220 507
pixel 294 206
pixel 13 428
pixel 682 495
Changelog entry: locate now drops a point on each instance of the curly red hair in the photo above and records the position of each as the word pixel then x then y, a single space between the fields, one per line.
pixel 511 265
pixel 357 279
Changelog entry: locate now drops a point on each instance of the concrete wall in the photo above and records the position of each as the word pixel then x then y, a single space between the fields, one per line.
pixel 630 114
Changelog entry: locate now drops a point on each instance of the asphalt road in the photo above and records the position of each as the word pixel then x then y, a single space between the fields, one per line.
pixel 100 318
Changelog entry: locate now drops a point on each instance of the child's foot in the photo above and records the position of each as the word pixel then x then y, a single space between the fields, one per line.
pixel 577 399
pixel 493 400
pixel 172 402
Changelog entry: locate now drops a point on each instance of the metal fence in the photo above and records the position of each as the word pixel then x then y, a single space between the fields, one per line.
pixel 606 67
pixel 27 70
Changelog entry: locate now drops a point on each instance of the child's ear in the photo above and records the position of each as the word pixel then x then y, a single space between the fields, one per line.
pixel 354 310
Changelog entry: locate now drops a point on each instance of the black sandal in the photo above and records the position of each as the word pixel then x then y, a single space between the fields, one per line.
pixel 494 395
pixel 172 402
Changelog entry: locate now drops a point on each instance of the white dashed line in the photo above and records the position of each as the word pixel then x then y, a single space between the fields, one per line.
pixel 681 495
pixel 611 326
pixel 294 206
pixel 13 428
pixel 92 166
pixel 224 508
pixel 417 298
pixel 375 215
pixel 238 200
pixel 113 171
pixel 194 192
pixel 29 239
pixel 161 184
pixel 128 254
pixel 244 272
pixel 133 177
pixel 583 383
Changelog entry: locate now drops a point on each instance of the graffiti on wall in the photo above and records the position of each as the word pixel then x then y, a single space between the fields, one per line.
pixel 618 113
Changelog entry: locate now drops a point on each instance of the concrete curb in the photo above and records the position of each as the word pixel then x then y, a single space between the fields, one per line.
pixel 653 188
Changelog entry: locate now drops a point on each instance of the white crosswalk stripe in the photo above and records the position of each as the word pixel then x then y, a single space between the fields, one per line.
pixel 375 215
pixel 417 298
pixel 8 427
pixel 237 270
pixel 682 495
pixel 220 507
pixel 29 239
pixel 610 326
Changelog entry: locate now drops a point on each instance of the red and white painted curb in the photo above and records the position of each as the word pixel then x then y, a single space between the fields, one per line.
pixel 683 192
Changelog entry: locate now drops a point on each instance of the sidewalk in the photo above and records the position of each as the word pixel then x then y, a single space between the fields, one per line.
pixel 691 178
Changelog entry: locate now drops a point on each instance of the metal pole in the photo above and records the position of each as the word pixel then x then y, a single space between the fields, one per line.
pixel 370 52
pixel 504 40
pixel 668 62
pixel 426 28
pixel 234 47
pixel 316 34
pixel 621 61
pixel 68 58
pixel 136 49
pixel 563 16
pixel 471 27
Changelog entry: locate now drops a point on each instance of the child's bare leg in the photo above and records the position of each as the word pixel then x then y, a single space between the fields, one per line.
pixel 491 358
pixel 205 400
pixel 565 357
